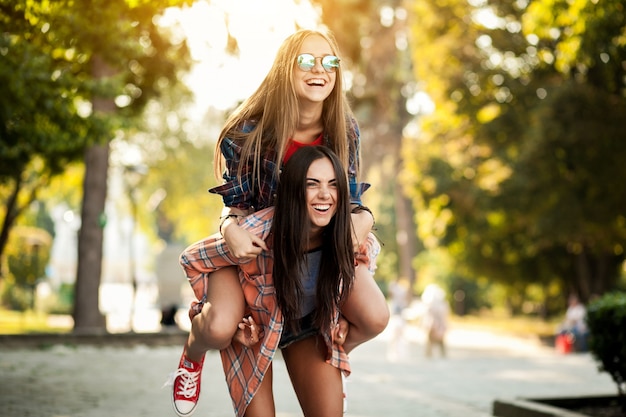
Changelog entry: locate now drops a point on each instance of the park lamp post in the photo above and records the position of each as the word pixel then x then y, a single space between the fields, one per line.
pixel 133 175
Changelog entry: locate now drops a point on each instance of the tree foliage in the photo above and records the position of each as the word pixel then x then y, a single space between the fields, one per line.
pixel 516 172
pixel 40 127
pixel 47 86
pixel 39 92
pixel 77 72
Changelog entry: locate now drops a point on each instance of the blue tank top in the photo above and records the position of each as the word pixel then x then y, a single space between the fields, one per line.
pixel 308 277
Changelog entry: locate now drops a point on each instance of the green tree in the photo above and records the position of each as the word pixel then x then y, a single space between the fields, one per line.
pixel 514 173
pixel 581 125
pixel 98 63
pixel 40 126
pixel 135 62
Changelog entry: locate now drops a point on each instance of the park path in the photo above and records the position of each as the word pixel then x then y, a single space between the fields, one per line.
pixel 109 381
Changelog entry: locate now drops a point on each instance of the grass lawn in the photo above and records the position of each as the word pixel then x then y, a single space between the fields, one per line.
pixel 521 326
pixel 17 322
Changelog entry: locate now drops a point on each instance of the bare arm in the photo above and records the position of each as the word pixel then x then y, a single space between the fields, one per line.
pixel 362 224
pixel 242 244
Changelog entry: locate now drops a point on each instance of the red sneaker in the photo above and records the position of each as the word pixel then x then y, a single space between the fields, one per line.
pixel 186 386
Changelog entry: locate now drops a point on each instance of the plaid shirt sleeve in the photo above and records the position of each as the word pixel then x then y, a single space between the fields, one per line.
pixel 356 188
pixel 210 254
pixel 236 192
pixel 245 193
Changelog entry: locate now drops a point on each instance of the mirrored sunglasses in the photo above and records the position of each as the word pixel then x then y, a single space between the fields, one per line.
pixel 307 61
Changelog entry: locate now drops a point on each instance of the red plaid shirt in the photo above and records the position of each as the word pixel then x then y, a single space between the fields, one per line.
pixel 245 367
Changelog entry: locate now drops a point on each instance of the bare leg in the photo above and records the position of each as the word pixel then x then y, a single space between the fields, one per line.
pixel 262 405
pixel 366 309
pixel 316 383
pixel 216 325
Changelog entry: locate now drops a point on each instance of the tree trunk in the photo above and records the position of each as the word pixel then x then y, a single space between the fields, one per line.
pixel 584 275
pixel 9 217
pixel 388 121
pixel 405 235
pixel 596 274
pixel 87 316
pixel 12 211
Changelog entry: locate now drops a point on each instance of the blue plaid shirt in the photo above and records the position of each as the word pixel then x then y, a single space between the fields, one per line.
pixel 257 195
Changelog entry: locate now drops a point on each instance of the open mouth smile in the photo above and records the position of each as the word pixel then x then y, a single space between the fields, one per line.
pixel 321 207
pixel 316 82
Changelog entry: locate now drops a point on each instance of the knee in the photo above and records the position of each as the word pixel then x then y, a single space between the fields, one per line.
pixel 375 321
pixel 216 329
pixel 379 321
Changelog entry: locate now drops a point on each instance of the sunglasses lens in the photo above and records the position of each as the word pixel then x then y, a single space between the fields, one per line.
pixel 306 62
pixel 330 63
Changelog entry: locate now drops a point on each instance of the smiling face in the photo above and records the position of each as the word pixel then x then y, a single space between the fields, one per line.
pixel 321 193
pixel 317 84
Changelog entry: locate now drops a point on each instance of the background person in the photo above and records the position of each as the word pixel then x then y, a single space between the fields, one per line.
pixel 435 319
pixel 574 325
pixel 400 298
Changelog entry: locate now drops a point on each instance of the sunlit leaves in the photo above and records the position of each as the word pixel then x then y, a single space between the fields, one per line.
pixel 48 84
pixel 488 113
pixel 585 34
pixel 524 143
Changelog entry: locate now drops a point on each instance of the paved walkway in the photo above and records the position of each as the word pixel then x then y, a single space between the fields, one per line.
pixel 86 381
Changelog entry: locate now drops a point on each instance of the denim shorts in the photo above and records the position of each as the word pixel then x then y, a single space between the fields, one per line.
pixel 307 329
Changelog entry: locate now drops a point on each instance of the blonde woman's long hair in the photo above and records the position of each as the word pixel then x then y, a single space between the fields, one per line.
pixel 273 109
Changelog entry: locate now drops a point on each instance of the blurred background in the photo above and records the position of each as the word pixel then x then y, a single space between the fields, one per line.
pixel 493 134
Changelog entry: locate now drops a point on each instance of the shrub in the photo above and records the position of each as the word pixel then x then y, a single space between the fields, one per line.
pixel 13 296
pixel 606 318
pixel 27 254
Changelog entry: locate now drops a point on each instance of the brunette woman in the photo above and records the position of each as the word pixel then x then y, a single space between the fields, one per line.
pixel 294 290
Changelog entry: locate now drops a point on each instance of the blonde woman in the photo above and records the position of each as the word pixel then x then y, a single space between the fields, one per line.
pixel 300 103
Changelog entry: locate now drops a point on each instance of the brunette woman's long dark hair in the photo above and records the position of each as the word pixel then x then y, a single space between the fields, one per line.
pixel 290 240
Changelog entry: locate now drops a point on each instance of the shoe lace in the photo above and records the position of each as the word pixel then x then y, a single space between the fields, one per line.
pixel 187 385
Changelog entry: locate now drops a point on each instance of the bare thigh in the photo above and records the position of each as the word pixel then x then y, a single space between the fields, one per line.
pixel 365 308
pixel 223 310
pixel 317 384
pixel 262 405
